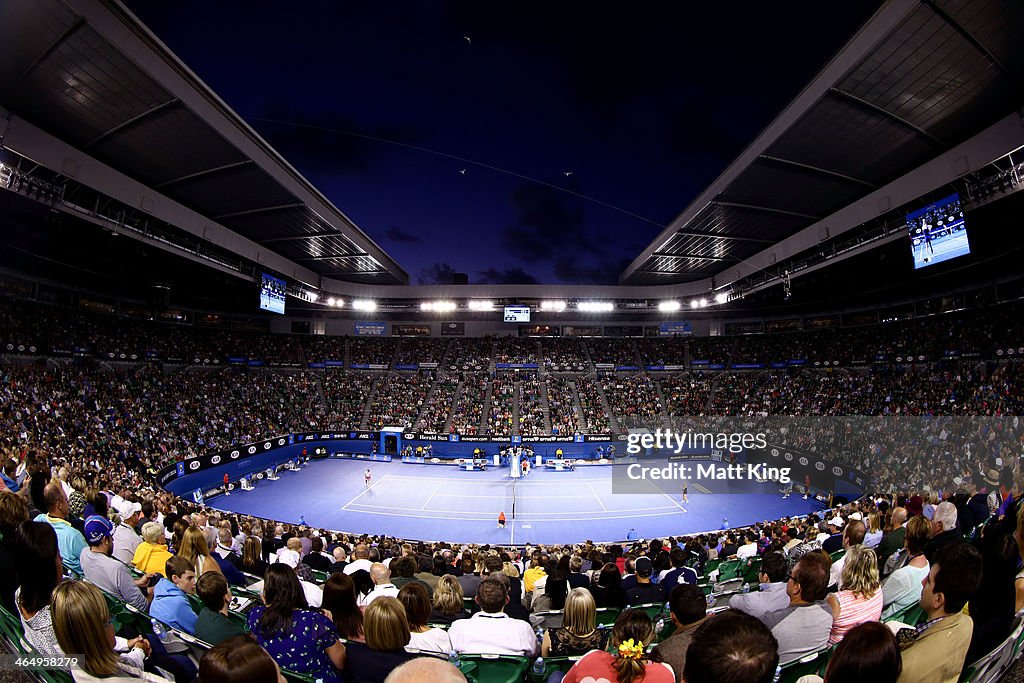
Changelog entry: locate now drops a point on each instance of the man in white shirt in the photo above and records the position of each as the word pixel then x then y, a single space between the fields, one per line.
pixel 749 548
pixel 126 540
pixel 774 576
pixel 382 585
pixel 491 631
pixel 361 561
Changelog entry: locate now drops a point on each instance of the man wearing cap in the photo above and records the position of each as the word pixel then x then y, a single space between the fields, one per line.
pixel 126 540
pixel 835 540
pixel 644 591
pixel 106 573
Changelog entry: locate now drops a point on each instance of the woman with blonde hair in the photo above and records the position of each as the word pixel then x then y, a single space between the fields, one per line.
pixel 194 549
pixel 252 557
pixel 874 535
pixel 579 633
pixel 82 625
pixel 861 598
pixel 448 601
pixel 387 634
pixel 628 662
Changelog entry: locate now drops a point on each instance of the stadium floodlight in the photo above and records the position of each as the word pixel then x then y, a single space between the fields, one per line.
pixel 668 306
pixel 694 303
pixel 438 306
pixel 313 296
pixel 721 297
pixel 552 306
pixel 595 306
pixel 703 303
pixel 368 305
pixel 331 301
pixel 480 305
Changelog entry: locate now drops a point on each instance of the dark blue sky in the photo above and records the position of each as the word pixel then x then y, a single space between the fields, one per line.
pixel 643 103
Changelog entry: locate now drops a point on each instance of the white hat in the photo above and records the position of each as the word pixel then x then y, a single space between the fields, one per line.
pixel 128 508
pixel 856 516
pixel 288 557
pixel 836 521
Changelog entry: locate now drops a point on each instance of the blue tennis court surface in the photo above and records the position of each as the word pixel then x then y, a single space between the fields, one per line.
pixel 432 502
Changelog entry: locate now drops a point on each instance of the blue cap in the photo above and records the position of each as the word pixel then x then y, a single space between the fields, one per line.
pixel 97 528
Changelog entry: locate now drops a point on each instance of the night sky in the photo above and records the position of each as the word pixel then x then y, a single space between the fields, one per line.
pixel 515 142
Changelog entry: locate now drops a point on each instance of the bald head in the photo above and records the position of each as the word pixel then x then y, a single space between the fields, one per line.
pixel 361 552
pixel 425 669
pixel 899 516
pixel 379 573
pixel 55 500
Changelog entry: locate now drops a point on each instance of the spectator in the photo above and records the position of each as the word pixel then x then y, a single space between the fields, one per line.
pixel 892 541
pixel 688 610
pixel 447 602
pixel 170 596
pixel 733 646
pixel 934 652
pixel 382 586
pixel 853 535
pixel 749 547
pixel 70 539
pixel 578 633
pixel 678 573
pixel 387 635
pixel 804 626
pixel 425 669
pixel 991 606
pixel 152 554
pixel 944 530
pixel 632 633
pixel 213 624
pixel 874 535
pixel 298 638
pixel 416 602
pixel 239 660
pixel 867 653
pixel 772 596
pixel 317 559
pixel 361 561
pixel 13 511
pixel 126 540
pixel 39 568
pixel 339 603
pixel 645 591
pixel 860 599
pixel 403 571
pixel 82 625
pixel 556 587
pixel 468 580
pixel 106 573
pixel 490 630
pixel 903 587
pixel 608 589
pixel 252 557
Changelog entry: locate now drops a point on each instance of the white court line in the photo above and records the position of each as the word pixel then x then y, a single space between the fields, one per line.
pixel 431 496
pixel 505 480
pixel 366 489
pixel 670 498
pixel 518 497
pixel 540 516
pixel 601 502
pixel 413 509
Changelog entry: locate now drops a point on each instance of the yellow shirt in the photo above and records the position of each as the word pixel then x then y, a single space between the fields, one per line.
pixel 530 577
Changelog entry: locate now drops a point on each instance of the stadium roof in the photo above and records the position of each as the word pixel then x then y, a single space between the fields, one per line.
pixel 915 81
pixel 96 78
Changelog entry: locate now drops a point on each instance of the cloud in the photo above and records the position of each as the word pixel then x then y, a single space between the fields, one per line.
pixel 548 221
pixel 509 276
pixel 436 274
pixel 396 234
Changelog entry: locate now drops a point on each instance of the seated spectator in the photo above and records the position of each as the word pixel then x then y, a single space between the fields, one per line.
pixel 382 586
pixel 678 573
pixel 361 553
pixel 126 539
pixel 608 589
pixel 338 555
pixel 416 602
pixel 317 559
pixel 425 669
pixel 804 626
pixel 170 596
pixel 339 604
pixel 70 539
pixel 772 596
pixel 13 511
pixel 935 651
pixel 873 537
pixel 556 587
pixel 867 653
pixel 252 557
pixel 239 660
pixel 448 604
pixel 490 630
pixel 853 535
pixel 860 599
pixel 903 587
pixel 733 646
pixel 106 573
pixel 40 570
pixel 403 571
pixel 387 635
pixel 152 554
pixel 749 547
pixel 213 624
pixel 944 530
pixel 578 633
pixel 644 591
pixel 514 608
pixel 82 625
pixel 298 638
pixel 469 581
pixel 632 633
pixel 892 540
pixel 688 609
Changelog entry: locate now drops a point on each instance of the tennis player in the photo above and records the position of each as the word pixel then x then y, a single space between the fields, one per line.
pixel 367 478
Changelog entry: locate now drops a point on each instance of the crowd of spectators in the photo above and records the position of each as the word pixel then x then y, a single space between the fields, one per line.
pixel 415 350
pixel 617 352
pixel 592 404
pixel 664 351
pixel 531 406
pixel 500 412
pixel 563 354
pixel 398 399
pixel 439 403
pixel 370 351
pixel 633 400
pixel 562 405
pixel 686 394
pixel 345 393
pixel 471 354
pixel 469 406
pixel 515 350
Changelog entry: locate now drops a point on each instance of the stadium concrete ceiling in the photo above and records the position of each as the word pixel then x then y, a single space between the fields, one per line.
pixel 917 80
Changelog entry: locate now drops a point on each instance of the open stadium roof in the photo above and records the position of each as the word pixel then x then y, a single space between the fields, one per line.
pixel 96 78
pixel 919 78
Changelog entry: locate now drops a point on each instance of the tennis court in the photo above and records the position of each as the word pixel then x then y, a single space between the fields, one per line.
pixel 432 502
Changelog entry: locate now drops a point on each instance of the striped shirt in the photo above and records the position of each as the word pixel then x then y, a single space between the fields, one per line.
pixel 853 611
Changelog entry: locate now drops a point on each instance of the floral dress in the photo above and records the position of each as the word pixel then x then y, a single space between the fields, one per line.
pixel 302 648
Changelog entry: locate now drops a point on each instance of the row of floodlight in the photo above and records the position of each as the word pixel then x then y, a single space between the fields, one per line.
pixel 553 306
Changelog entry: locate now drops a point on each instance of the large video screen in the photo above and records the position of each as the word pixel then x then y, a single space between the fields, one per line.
pixel 517 314
pixel 938 232
pixel 272 293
